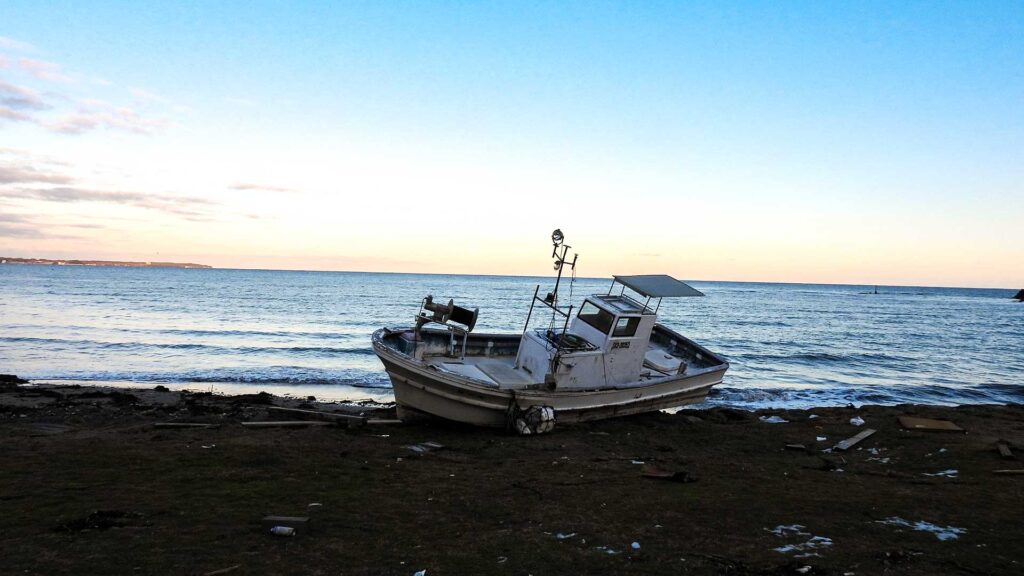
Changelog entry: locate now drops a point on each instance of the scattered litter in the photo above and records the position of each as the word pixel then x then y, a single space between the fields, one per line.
pixel 851 442
pixel 773 420
pixel 812 416
pixel 879 460
pixel 605 549
pixel 857 421
pixel 313 505
pixel 795 447
pixel 821 438
pixel 635 545
pixel 652 471
pixel 915 423
pixel 945 473
pixel 561 536
pixel 420 573
pixel 1004 450
pixel 424 447
pixel 815 543
pixel 804 569
pixel 294 524
pixel 941 532
pixel 210 446
pixel 502 559
pixel 794 530
pixel 637 462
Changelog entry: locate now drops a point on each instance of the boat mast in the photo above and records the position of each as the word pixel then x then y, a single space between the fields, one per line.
pixel 551 299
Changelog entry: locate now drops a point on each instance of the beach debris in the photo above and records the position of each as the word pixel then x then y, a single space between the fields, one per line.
pixel 314 506
pixel 1004 449
pixel 285 525
pixel 812 416
pixel 184 425
pixel 854 440
pixel 658 473
pixel 420 573
pixel 857 421
pixel 805 548
pixel 821 438
pixel 502 559
pixel 1011 472
pixel 562 536
pixel 286 424
pixel 227 570
pixel 928 424
pixel 941 532
pixel 773 420
pixel 636 462
pixel 944 474
pixel 100 520
pixel 635 545
pixel 606 550
pixel 535 420
pixel 349 419
pixel 424 447
pixel 795 447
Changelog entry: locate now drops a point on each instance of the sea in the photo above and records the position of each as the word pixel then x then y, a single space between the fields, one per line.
pixel 308 333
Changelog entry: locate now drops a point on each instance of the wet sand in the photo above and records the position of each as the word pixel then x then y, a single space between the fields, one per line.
pixel 89 485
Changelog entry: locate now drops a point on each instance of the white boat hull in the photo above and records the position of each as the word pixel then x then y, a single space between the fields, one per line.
pixel 421 387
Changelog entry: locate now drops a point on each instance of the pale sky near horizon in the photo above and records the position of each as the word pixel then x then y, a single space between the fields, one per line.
pixel 838 142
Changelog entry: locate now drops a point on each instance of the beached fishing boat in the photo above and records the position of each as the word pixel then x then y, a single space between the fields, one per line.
pixel 608 357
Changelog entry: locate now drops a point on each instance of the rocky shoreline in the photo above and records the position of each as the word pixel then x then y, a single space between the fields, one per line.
pixel 94 482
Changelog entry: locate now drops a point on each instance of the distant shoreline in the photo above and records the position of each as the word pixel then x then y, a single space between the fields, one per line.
pixel 48 262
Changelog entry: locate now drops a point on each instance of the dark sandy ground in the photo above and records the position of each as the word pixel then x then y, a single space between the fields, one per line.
pixel 88 485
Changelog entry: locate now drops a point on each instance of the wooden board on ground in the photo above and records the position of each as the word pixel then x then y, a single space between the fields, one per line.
pixel 287 424
pixel 929 424
pixel 350 419
pixel 852 441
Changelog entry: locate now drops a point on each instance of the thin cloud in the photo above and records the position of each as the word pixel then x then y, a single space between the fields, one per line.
pixel 14 115
pixel 97 116
pixel 18 45
pixel 44 70
pixel 21 98
pixel 246 186
pixel 186 206
pixel 18 226
pixel 16 174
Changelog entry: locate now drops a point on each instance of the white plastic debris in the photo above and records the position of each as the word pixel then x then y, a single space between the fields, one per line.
pixel 420 573
pixel 812 416
pixel 793 529
pixel 821 438
pixel 943 474
pixel 857 421
pixel 941 532
pixel 773 420
pixel 635 545
pixel 562 536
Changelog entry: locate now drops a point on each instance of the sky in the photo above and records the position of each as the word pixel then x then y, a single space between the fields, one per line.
pixel 832 142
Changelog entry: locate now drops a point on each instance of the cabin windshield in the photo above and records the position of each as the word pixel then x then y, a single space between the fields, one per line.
pixel 626 326
pixel 596 317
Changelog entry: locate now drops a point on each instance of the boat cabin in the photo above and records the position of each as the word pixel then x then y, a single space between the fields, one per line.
pixel 607 341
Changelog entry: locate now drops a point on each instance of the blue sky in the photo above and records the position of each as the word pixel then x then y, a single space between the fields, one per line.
pixel 799 141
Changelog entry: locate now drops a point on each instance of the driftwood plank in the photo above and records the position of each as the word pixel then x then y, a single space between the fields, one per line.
pixel 852 441
pixel 929 424
pixel 287 424
pixel 350 419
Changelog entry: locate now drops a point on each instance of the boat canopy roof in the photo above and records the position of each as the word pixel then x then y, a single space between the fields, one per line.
pixel 657 286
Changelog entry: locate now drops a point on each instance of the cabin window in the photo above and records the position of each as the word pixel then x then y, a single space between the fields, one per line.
pixel 626 326
pixel 596 317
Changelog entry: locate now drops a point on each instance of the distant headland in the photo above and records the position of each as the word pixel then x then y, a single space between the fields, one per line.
pixel 48 262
